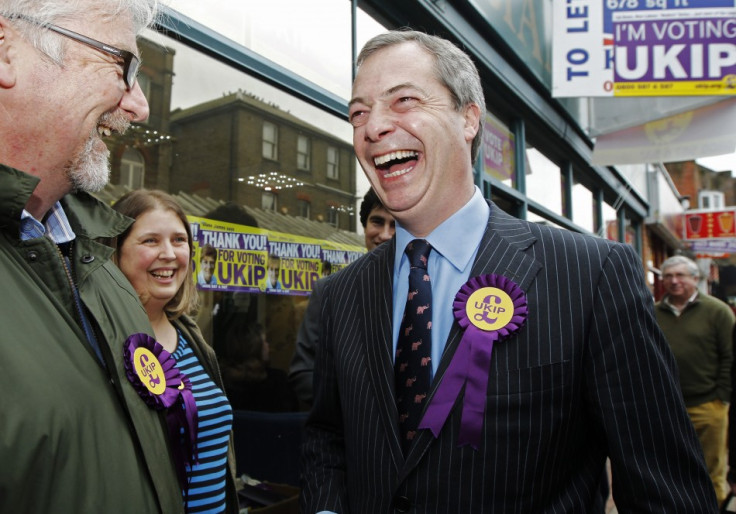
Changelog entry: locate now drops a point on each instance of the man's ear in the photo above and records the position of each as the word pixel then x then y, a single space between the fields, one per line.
pixel 472 121
pixel 7 67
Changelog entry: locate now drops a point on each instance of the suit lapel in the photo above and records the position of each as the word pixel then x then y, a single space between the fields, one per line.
pixel 376 293
pixel 501 252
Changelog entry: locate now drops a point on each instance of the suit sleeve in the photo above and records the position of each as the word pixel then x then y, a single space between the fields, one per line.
pixel 323 451
pixel 301 371
pixel 633 392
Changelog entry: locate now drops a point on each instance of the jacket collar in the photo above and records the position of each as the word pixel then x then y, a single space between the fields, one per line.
pixel 667 305
pixel 88 216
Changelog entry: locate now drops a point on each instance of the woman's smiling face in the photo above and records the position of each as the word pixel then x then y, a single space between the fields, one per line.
pixel 155 257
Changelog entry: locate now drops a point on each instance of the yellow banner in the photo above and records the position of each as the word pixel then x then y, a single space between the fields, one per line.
pixel 240 258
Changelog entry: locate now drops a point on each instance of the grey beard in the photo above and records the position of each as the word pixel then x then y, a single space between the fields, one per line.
pixel 91 171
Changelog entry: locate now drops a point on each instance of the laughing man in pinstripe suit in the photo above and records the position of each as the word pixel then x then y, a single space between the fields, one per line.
pixel 586 377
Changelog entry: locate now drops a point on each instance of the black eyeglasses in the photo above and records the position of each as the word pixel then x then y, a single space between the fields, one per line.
pixel 130 61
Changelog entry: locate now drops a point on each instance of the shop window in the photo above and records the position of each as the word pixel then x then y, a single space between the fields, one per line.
pixel 583 206
pixel 310 38
pixel 132 168
pixel 629 232
pixel 333 163
pixel 303 153
pixel 610 223
pixel 543 180
pixel 214 113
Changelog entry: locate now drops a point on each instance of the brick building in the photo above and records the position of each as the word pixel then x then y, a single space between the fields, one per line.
pixel 240 148
pixel 700 184
pixel 142 156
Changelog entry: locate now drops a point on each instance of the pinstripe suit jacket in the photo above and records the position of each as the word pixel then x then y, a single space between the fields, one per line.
pixel 588 376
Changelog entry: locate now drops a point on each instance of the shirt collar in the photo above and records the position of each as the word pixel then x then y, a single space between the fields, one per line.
pixel 451 237
pixel 691 300
pixel 56 226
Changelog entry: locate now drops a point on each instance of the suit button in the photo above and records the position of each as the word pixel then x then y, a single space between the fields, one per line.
pixel 402 504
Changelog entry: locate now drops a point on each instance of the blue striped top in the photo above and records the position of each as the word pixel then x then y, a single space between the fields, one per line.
pixel 207 477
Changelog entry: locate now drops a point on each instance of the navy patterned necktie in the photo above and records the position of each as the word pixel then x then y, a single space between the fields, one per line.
pixel 412 366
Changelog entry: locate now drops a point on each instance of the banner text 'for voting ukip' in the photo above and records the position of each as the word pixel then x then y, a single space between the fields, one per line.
pixel 644 48
pixel 238 258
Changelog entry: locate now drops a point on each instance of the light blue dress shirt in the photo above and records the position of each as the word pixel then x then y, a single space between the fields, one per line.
pixel 455 244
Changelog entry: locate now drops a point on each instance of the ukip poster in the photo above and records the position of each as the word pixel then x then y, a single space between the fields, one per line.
pixel 644 48
pixel 239 258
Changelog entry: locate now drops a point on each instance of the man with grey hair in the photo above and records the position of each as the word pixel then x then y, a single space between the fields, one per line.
pixel 698 328
pixel 75 434
pixel 477 363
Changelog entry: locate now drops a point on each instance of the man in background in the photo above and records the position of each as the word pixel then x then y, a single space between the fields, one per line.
pixel 75 436
pixel 378 226
pixel 698 328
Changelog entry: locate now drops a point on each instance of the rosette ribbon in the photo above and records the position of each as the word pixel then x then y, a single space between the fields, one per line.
pixel 154 375
pixel 489 308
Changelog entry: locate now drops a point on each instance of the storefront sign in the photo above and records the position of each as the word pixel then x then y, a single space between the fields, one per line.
pixel 713 246
pixel 498 149
pixel 710 224
pixel 644 48
pixel 711 231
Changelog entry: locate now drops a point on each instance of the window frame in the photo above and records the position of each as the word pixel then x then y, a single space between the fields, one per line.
pixel 332 167
pixel 273 144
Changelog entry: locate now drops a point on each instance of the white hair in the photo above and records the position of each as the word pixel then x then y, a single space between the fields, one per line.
pixel 142 12
pixel 453 68
pixel 677 260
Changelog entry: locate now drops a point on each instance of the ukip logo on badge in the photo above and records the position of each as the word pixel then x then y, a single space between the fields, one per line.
pixel 489 308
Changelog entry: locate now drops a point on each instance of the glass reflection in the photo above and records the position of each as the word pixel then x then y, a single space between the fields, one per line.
pixel 583 207
pixel 543 181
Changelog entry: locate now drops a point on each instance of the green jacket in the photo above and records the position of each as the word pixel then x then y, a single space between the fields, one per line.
pixel 74 437
pixel 700 338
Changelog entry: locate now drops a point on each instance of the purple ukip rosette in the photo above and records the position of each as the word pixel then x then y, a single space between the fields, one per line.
pixel 154 375
pixel 489 308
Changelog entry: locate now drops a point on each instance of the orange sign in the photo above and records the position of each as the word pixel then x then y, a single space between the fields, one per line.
pixel 710 224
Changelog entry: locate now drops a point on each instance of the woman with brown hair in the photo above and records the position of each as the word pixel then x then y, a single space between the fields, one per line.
pixel 155 254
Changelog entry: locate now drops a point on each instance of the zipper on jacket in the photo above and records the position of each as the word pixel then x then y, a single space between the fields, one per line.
pixel 83 320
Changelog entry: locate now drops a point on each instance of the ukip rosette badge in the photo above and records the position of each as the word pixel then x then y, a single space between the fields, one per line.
pixel 152 371
pixel 489 308
pixel 154 375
